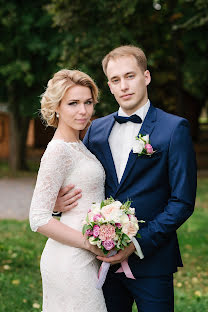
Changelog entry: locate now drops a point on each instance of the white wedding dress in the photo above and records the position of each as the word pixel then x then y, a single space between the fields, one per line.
pixel 69 274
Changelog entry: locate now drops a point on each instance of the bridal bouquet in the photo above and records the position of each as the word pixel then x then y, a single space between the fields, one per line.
pixel 111 226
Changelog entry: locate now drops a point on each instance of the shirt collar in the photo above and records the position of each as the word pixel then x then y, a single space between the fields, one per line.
pixel 141 112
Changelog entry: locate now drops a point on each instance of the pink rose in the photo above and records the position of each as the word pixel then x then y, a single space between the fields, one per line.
pixel 89 232
pixel 97 217
pixel 130 229
pixel 108 244
pixel 89 210
pixel 149 148
pixel 96 230
pixel 107 232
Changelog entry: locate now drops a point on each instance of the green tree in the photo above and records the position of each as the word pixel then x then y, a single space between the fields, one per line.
pixel 29 50
pixel 190 30
pixel 198 17
pixel 161 28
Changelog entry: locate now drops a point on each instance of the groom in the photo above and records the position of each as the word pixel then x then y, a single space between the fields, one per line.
pixel 162 186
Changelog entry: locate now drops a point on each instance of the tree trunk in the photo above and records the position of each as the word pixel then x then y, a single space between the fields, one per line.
pixel 17 139
pixel 193 109
pixel 23 139
pixel 18 131
pixel 14 141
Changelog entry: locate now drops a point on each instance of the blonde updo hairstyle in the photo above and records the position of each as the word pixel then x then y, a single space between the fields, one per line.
pixel 56 89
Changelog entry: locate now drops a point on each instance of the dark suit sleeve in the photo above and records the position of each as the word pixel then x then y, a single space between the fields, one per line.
pixel 182 181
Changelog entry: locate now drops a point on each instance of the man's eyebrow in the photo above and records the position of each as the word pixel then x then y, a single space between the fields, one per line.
pixel 113 77
pixel 131 72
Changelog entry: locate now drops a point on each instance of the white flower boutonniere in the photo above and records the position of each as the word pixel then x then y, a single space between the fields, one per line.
pixel 142 145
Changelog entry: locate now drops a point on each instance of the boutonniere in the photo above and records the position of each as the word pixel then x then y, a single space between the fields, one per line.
pixel 142 145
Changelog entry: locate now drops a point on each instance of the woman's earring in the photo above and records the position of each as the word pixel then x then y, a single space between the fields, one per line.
pixel 57 115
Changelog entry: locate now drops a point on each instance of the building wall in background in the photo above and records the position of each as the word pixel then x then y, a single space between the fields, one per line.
pixel 38 135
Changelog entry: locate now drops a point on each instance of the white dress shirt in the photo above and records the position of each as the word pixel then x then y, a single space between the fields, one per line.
pixel 121 141
pixel 122 137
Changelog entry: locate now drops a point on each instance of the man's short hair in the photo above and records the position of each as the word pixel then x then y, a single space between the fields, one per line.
pixel 126 50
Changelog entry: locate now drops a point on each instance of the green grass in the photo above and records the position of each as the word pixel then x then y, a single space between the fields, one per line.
pixel 5 171
pixel 191 282
pixel 20 250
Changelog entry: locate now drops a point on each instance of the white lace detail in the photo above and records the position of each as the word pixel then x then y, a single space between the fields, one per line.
pixel 55 164
pixel 69 274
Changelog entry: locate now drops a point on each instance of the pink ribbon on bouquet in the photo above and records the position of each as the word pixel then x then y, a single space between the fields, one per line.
pixel 104 270
pixel 105 267
pixel 125 269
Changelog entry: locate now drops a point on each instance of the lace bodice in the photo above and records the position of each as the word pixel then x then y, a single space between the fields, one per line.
pixel 64 163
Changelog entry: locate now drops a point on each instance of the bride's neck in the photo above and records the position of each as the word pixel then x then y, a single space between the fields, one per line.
pixel 68 135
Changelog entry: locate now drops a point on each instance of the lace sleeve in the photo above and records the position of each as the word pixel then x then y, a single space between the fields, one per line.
pixel 54 165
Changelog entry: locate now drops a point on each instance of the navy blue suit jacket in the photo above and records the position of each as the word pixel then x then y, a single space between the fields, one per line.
pixel 162 187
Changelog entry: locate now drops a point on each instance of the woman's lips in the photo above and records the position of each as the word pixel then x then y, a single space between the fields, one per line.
pixel 84 120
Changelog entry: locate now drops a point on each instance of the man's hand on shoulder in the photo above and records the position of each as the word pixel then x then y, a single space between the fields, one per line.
pixel 67 198
pixel 120 256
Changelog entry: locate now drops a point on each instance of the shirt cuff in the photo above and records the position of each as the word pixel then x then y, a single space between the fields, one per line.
pixel 138 251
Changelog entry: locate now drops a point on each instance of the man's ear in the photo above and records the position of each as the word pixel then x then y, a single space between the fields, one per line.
pixel 147 77
pixel 110 87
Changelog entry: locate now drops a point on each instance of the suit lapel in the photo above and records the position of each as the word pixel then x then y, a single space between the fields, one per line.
pixel 147 128
pixel 111 170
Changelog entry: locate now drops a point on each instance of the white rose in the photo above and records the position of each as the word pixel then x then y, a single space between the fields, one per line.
pixel 101 220
pixel 92 240
pixel 146 138
pixel 112 211
pixel 134 219
pixel 138 146
pixel 98 243
pixel 115 219
pixel 124 219
pixel 95 208
pixel 132 210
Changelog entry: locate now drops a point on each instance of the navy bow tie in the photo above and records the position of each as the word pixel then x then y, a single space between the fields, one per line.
pixel 133 118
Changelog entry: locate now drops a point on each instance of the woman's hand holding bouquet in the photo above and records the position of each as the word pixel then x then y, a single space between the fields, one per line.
pixel 110 225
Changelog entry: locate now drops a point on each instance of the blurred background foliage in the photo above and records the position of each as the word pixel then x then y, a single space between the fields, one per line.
pixel 172 33
pixel 38 38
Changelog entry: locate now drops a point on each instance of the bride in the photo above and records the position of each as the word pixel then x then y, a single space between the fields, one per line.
pixel 69 267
